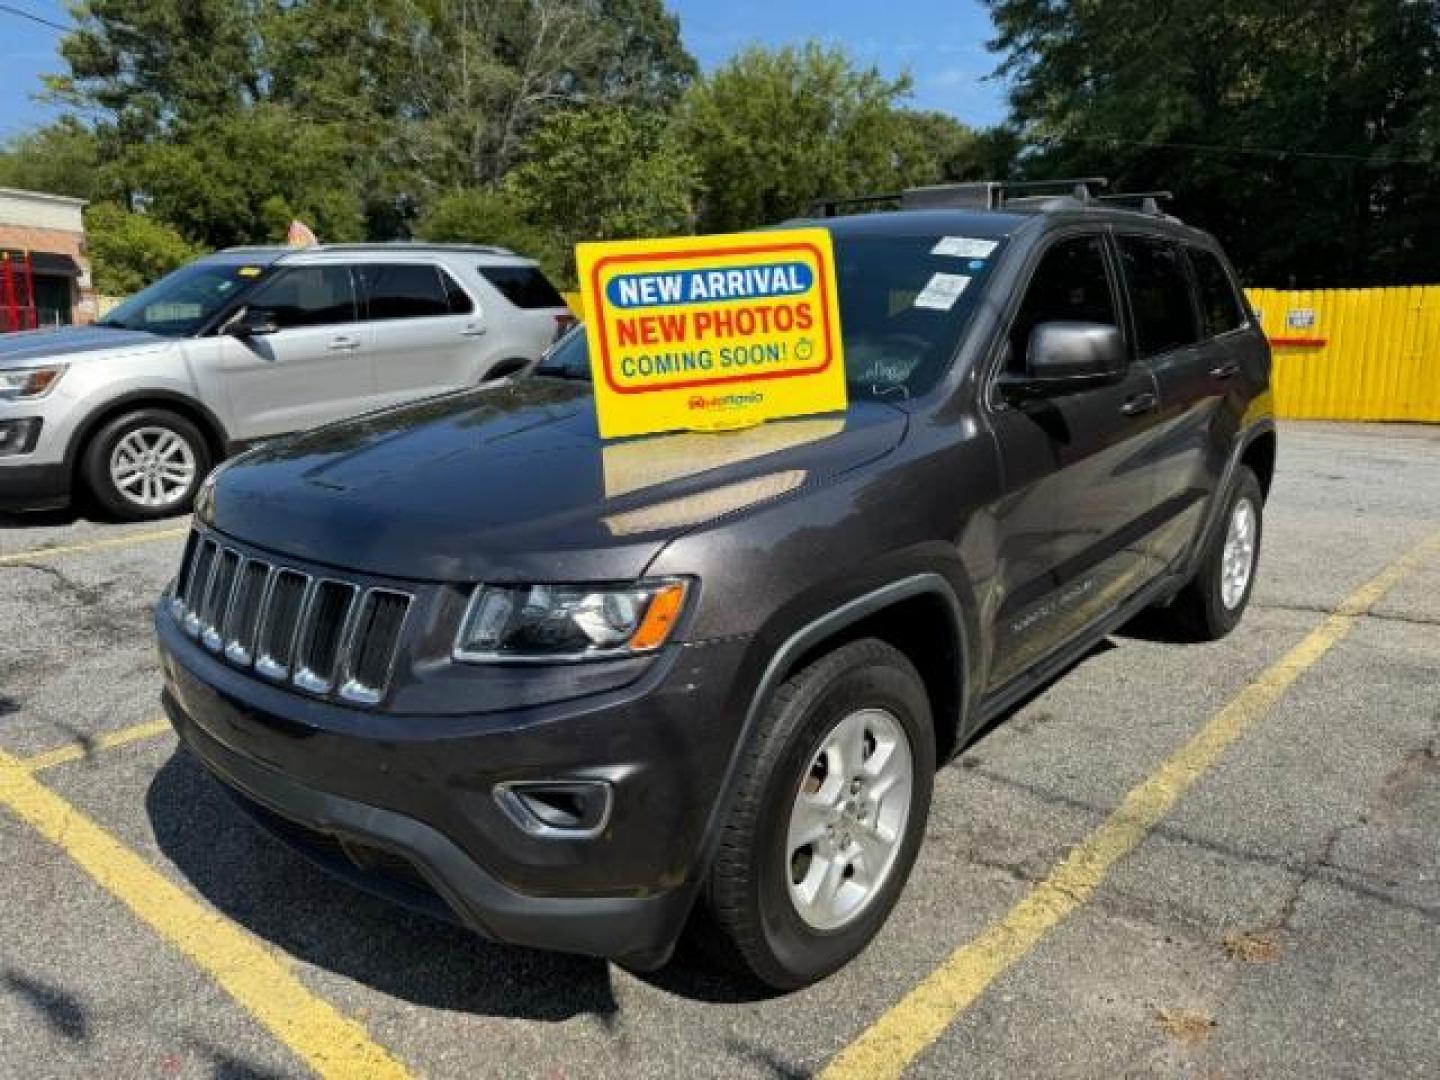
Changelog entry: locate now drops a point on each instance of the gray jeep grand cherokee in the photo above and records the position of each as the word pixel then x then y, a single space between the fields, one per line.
pixel 579 695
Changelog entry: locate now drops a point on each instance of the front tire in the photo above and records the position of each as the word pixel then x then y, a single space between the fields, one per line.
pixel 828 820
pixel 1212 603
pixel 145 464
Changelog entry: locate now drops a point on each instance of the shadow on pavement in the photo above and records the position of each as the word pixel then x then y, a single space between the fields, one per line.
pixel 278 895
pixel 61 1010
pixel 42 519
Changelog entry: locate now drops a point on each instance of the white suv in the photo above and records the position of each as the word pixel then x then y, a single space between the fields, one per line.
pixel 251 343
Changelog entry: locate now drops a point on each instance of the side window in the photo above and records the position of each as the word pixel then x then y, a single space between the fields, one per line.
pixel 404 291
pixel 1220 305
pixel 458 299
pixel 308 296
pixel 524 286
pixel 1069 285
pixel 1159 293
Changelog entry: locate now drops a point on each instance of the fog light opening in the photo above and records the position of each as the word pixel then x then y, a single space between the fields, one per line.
pixel 573 809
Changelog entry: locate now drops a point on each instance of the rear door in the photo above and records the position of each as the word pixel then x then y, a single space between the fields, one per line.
pixel 1173 346
pixel 1072 528
pixel 426 330
pixel 313 370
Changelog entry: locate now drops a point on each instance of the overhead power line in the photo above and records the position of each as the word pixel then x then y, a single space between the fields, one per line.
pixel 1259 151
pixel 21 14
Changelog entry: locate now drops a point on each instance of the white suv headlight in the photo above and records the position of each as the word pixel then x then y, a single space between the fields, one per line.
pixel 29 383
pixel 568 622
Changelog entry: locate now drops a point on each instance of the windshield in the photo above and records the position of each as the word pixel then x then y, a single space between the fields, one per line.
pixel 183 303
pixel 904 303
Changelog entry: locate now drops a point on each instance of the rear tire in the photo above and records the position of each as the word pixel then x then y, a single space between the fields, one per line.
pixel 845 754
pixel 145 464
pixel 1211 605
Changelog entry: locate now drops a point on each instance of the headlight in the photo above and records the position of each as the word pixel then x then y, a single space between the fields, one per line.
pixel 568 622
pixel 29 383
pixel 203 506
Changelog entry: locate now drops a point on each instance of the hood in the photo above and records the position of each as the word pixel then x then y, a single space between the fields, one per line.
pixel 30 347
pixel 513 483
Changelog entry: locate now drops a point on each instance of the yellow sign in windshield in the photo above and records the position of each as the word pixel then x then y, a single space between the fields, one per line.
pixel 712 332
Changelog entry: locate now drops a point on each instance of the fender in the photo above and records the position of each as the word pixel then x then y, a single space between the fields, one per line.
pixel 83 430
pixel 1206 532
pixel 795 646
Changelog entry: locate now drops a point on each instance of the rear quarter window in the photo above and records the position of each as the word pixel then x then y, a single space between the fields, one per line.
pixel 524 286
pixel 1220 304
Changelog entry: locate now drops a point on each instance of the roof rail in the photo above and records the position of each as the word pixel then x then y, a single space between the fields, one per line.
pixel 414 245
pixel 1068 194
pixel 375 245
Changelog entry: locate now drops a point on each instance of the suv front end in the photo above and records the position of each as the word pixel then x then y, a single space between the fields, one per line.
pixel 547 804
pixel 35 423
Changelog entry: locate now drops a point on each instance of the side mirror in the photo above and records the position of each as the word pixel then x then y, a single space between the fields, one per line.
pixel 1064 357
pixel 252 322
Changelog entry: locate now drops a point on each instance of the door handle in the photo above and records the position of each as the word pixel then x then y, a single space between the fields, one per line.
pixel 473 330
pixel 1227 370
pixel 1139 403
pixel 343 344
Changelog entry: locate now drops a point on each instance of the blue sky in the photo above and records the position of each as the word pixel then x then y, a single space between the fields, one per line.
pixel 940 42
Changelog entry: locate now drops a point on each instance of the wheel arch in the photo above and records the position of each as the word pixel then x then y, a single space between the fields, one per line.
pixel 504 367
pixel 1255 448
pixel 216 438
pixel 1259 453
pixel 918 616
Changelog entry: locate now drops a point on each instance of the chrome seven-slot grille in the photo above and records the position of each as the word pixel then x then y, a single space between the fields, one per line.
pixel 323 635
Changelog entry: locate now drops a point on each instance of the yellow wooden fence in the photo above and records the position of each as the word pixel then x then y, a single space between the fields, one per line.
pixel 1346 354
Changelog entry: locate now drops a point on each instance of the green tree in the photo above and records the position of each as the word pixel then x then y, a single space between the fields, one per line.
pixel 426 97
pixel 490 216
pixel 1305 136
pixel 241 178
pixel 129 251
pixel 61 159
pixel 146 64
pixel 776 130
pixel 606 173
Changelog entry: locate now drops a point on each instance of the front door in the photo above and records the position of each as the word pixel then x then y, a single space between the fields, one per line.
pixel 1072 527
pixel 314 369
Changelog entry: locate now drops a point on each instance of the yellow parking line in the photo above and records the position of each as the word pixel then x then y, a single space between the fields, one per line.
pixel 128 540
pixel 918 1019
pixel 258 978
pixel 108 740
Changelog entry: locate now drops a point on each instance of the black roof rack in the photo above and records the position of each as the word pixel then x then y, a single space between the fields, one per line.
pixel 1000 195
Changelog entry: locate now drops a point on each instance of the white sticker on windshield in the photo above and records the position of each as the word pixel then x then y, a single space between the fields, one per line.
pixel 941 292
pixel 964 247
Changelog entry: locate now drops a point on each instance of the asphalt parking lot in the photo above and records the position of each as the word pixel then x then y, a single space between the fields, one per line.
pixel 1217 861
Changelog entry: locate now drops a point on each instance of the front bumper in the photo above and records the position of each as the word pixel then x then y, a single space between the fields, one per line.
pixel 33 487
pixel 405 806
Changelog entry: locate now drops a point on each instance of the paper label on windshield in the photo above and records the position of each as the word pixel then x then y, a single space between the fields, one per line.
pixel 964 247
pixel 941 292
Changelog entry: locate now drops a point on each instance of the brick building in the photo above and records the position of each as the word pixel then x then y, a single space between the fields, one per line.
pixel 52 229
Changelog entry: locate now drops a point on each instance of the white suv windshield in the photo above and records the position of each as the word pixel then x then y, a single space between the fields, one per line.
pixel 183 303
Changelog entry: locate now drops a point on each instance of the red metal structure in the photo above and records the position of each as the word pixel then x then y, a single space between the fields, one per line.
pixel 17 293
